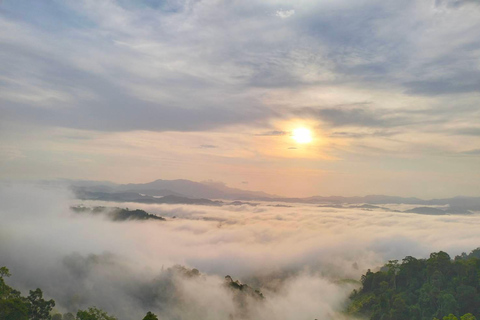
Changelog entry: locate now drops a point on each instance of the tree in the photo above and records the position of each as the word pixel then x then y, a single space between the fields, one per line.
pixel 393 268
pixel 150 316
pixel 468 316
pixel 12 305
pixel 68 316
pixel 448 304
pixel 421 289
pixel 467 298
pixel 399 310
pixel 39 308
pixel 4 272
pixel 94 313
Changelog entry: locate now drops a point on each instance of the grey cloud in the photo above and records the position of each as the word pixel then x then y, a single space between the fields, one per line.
pixel 95 76
pixel 75 137
pixel 127 116
pixel 463 84
pixel 360 117
pixel 473 131
pixel 273 133
pixel 456 3
pixel 358 135
pixel 472 152
pixel 208 146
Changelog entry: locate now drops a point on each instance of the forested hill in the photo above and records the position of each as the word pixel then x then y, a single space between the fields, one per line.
pixel 157 293
pixel 421 289
pixel 117 214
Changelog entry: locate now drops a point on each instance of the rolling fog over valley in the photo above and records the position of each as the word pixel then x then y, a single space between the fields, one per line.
pixel 299 256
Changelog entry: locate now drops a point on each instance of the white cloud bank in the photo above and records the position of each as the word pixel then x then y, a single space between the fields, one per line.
pixel 292 254
pixel 285 13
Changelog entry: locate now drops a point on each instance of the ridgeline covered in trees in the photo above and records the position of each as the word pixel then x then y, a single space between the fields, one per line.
pixel 13 306
pixel 421 289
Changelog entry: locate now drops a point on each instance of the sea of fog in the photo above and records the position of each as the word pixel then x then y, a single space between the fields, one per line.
pixel 297 255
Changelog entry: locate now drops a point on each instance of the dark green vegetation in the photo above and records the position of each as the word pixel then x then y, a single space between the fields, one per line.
pixel 118 214
pixel 236 285
pixel 164 288
pixel 421 289
pixel 150 316
pixel 13 306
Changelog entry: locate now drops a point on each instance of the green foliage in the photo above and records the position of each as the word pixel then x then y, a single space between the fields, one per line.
pixel 150 316
pixel 421 289
pixel 94 314
pixel 15 307
pixel 12 305
pixel 39 308
pixel 4 272
pixel 68 316
pixel 117 214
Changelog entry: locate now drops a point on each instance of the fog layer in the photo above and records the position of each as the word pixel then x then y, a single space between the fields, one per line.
pixel 297 255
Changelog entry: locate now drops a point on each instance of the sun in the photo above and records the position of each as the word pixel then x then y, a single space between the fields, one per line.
pixel 302 135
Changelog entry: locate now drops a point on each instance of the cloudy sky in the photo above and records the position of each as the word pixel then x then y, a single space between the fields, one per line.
pixel 132 91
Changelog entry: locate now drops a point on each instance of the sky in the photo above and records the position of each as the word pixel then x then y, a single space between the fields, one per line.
pixel 133 91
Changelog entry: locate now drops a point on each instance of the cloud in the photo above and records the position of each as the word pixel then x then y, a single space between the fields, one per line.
pixel 359 117
pixel 208 146
pixel 472 152
pixel 472 131
pixel 231 70
pixel 455 3
pixel 292 254
pixel 464 84
pixel 125 75
pixel 285 13
pixel 360 135
pixel 273 133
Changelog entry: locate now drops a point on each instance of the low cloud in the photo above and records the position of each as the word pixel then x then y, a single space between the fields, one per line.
pixel 293 254
pixel 285 13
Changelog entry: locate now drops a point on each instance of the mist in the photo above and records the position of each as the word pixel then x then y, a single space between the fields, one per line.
pixel 296 255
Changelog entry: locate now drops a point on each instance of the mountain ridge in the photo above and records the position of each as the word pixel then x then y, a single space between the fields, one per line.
pixel 217 190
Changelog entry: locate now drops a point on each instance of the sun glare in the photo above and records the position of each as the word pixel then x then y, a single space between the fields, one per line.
pixel 302 135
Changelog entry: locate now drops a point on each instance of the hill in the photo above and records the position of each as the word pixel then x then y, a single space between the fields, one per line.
pixel 421 289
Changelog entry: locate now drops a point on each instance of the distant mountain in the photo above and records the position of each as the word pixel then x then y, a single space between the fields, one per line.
pixel 83 194
pixel 187 191
pixel 179 188
pixel 427 210
pixel 370 199
pixel 192 189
